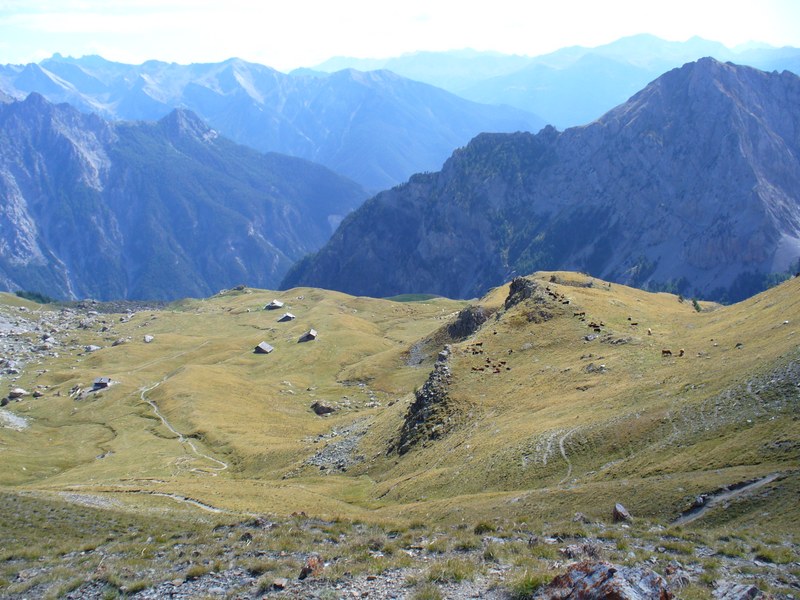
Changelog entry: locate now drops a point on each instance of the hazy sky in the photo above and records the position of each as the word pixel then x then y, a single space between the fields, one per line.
pixel 286 34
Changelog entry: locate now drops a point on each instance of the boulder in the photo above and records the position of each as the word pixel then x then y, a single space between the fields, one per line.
pixel 91 348
pixel 590 580
pixel 313 566
pixel 729 590
pixel 580 518
pixel 620 513
pixel 322 409
pixel 280 583
pixel 148 338
pixel 17 393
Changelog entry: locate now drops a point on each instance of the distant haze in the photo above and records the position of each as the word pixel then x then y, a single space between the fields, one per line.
pixel 303 33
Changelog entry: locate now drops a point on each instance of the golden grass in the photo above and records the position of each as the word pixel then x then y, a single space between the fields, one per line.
pixel 566 424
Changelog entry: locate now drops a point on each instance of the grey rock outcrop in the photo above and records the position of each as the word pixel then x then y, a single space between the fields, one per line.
pixel 731 590
pixel 591 580
pixel 429 415
pixel 521 289
pixel 467 322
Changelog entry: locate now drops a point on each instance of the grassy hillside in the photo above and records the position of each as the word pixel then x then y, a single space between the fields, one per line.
pixel 541 420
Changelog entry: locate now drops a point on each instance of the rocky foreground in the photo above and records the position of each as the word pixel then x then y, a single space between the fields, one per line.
pixel 311 558
pixel 79 546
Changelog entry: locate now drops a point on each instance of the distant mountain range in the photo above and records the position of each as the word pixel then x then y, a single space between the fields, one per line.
pixel 693 185
pixel 342 120
pixel 159 210
pixel 571 86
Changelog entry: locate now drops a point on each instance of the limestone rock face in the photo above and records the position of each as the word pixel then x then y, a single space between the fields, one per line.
pixel 692 185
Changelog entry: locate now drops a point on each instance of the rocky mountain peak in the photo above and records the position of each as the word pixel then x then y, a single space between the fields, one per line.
pixel 183 123
pixel 692 185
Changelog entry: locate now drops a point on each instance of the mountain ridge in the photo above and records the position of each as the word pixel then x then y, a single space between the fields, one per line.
pixel 340 120
pixel 151 210
pixel 633 197
pixel 573 85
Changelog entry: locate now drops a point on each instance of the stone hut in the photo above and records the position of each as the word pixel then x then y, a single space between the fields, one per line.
pixel 308 336
pixel 263 348
pixel 101 383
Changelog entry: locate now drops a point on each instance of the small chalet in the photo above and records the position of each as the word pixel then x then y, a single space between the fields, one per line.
pixel 263 348
pixel 308 336
pixel 275 304
pixel 286 317
pixel 101 383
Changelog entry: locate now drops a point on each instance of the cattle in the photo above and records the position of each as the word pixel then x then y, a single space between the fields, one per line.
pixel 666 353
pixel 579 314
pixel 649 331
pixel 681 352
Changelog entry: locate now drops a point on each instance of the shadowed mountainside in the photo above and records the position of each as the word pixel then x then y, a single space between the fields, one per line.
pixel 151 210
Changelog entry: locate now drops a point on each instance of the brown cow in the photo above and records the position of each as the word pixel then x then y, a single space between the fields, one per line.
pixel 666 353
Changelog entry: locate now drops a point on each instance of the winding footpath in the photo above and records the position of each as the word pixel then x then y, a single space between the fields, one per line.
pixel 716 499
pixel 185 441
pixel 561 441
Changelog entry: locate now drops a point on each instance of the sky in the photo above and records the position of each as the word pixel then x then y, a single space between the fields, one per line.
pixel 287 34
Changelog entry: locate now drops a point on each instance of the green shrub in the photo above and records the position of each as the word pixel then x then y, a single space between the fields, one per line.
pixel 483 528
pixel 427 591
pixel 452 570
pixel 777 556
pixel 37 297
pixel 526 585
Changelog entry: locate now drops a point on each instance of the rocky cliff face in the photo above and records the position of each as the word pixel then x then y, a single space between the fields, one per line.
pixel 159 211
pixel 692 185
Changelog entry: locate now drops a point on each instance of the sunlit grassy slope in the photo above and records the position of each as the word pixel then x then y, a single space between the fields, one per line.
pixel 561 425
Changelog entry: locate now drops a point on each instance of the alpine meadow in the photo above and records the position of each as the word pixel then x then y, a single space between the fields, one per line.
pixel 444 325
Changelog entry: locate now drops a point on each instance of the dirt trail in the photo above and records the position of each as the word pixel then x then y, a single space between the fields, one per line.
pixel 718 498
pixel 220 465
pixel 561 441
pixel 183 499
